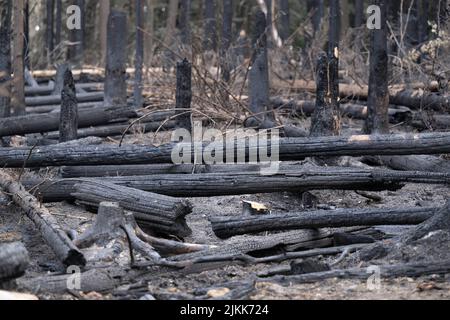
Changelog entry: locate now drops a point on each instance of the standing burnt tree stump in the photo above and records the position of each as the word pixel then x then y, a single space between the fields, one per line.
pixel 115 82
pixel 184 94
pixel 139 57
pixel 378 99
pixel 258 76
pixel 5 58
pixel 68 125
pixel 227 38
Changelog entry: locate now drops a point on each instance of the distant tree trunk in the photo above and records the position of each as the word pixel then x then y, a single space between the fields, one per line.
pixel 345 17
pixel 18 65
pixel 169 36
pixel 378 99
pixel 335 27
pixel 50 10
pixel 58 23
pixel 325 120
pixel 68 125
pixel 333 56
pixel 318 8
pixel 149 30
pixel 184 22
pixel 210 25
pixel 284 19
pixel 359 13
pixel 184 94
pixel 259 75
pixel 26 50
pixel 105 9
pixel 139 57
pixel 116 58
pixel 5 58
pixel 422 19
pixel 227 38
pixel 76 36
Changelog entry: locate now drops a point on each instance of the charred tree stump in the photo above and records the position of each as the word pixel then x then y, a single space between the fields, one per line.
pixel 5 58
pixel 139 56
pixel 52 233
pixel 325 120
pixel 229 227
pixel 14 261
pixel 378 101
pixel 258 76
pixel 115 82
pixel 161 214
pixel 68 125
pixel 210 30
pixel 184 94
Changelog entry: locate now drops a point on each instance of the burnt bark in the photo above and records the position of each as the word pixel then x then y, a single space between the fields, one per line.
pixel 229 227
pixel 184 94
pixel 68 125
pixel 378 100
pixel 159 213
pixel 209 185
pixel 325 120
pixel 139 56
pixel 40 123
pixel 116 57
pixel 258 76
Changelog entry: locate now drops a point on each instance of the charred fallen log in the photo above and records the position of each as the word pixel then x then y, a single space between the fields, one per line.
pixel 161 214
pixel 424 163
pixel 52 233
pixel 56 99
pixel 14 261
pixel 50 122
pixel 290 149
pixel 205 185
pixel 228 227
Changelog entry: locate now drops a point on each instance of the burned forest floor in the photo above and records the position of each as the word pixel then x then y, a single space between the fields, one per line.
pixel 163 284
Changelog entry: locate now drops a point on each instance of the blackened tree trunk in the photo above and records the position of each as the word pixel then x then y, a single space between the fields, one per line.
pixel 334 29
pixel 68 125
pixel 76 37
pixel 116 57
pixel 378 100
pixel 209 16
pixel 50 10
pixel 318 8
pixel 139 57
pixel 284 19
pixel 184 94
pixel 18 100
pixel 359 13
pixel 105 9
pixel 227 38
pixel 5 58
pixel 259 73
pixel 26 48
pixel 184 22
pixel 325 120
